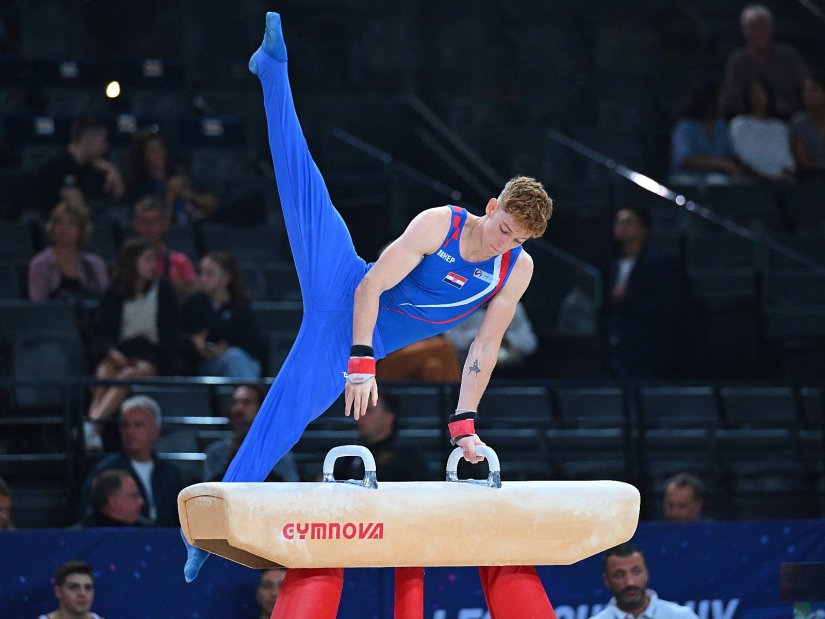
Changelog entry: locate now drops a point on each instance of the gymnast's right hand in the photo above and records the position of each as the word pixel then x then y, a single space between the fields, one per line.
pixel 358 396
pixel 361 388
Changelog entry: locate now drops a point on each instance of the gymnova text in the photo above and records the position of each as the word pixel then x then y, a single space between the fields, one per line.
pixel 706 609
pixel 333 530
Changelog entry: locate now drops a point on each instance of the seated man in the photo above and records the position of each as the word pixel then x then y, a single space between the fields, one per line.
pixel 395 458
pixel 79 175
pixel 159 481
pixel 116 501
pixel 246 399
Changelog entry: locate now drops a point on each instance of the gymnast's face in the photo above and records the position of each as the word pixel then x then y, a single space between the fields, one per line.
pixel 501 232
pixel 627 578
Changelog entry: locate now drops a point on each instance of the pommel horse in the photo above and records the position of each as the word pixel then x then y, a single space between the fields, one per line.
pixel 361 523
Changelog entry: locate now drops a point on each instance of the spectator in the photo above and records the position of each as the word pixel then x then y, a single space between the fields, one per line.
pixel 626 575
pixel 431 359
pixel 246 400
pixel 219 322
pixel 149 222
pixel 395 458
pixel 159 482
pixel 700 150
pixel 759 138
pixel 808 130
pixel 63 270
pixel 684 498
pixel 116 500
pixel 269 586
pixel 81 174
pixel 519 340
pixel 641 302
pixel 150 171
pixel 137 331
pixel 778 64
pixel 6 523
pixel 74 588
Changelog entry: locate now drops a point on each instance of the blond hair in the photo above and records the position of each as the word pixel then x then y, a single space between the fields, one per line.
pixel 526 200
pixel 78 213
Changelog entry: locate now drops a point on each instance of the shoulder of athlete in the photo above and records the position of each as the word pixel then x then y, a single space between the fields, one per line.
pixel 427 230
pixel 520 276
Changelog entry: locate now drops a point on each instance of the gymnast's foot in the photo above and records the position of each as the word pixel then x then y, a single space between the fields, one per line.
pixel 195 558
pixel 273 44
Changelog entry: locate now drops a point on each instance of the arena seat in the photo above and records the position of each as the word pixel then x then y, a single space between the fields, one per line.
pixel 589 453
pixel 523 453
pixel 517 407
pixel 419 406
pixel 10 285
pixel 595 407
pixel 721 266
pixel 754 206
pixel 16 240
pixel 278 316
pixel 261 243
pixel 760 407
pixel 282 281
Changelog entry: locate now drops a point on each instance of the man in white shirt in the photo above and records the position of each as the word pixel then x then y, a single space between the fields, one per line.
pixel 626 575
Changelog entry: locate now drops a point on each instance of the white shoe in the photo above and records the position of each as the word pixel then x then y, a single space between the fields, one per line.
pixel 90 437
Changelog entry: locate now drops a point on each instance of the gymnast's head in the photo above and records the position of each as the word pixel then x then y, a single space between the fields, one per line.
pixel 526 201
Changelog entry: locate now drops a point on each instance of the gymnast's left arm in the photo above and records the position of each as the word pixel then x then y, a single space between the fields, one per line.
pixel 482 356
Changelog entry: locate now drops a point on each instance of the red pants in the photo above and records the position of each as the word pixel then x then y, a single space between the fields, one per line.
pixel 511 592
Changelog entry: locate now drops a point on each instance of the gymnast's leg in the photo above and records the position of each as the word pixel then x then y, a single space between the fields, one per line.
pixel 515 592
pixel 328 270
pixel 325 259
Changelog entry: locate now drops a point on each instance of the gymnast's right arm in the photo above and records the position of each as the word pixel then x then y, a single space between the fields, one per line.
pixel 422 237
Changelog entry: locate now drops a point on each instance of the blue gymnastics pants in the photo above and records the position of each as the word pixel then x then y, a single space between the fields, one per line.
pixel 329 269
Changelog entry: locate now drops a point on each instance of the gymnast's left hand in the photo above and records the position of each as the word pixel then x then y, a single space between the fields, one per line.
pixel 358 396
pixel 468 445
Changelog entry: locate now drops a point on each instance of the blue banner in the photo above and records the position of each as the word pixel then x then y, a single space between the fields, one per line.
pixel 723 570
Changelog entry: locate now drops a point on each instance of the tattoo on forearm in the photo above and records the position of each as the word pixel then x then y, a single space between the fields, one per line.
pixel 474 369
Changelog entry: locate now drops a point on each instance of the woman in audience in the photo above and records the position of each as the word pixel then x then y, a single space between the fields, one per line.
pixel 219 321
pixel 63 270
pixel 150 171
pixel 808 130
pixel 700 150
pixel 137 331
pixel 760 138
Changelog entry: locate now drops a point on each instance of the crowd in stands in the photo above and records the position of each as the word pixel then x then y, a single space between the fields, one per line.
pixel 158 311
pixel 766 123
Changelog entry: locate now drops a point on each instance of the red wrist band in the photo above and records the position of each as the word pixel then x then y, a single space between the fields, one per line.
pixel 462 425
pixel 360 369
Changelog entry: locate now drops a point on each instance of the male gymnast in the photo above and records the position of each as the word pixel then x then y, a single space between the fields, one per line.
pixel 447 264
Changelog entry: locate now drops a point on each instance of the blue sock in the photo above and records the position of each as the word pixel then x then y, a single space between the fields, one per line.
pixel 273 44
pixel 195 558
